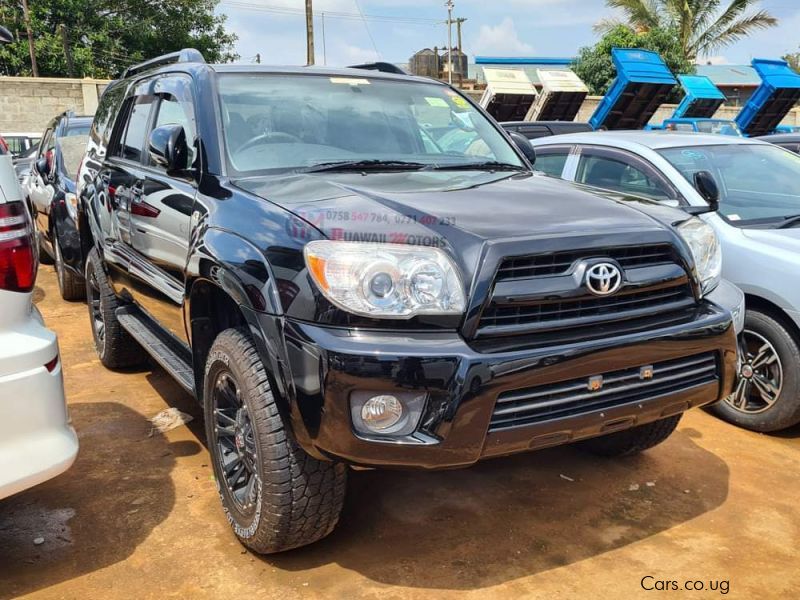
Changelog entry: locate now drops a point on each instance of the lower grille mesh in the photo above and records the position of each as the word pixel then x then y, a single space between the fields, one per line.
pixel 567 398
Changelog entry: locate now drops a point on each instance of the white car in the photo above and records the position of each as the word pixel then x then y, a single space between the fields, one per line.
pixel 757 187
pixel 36 439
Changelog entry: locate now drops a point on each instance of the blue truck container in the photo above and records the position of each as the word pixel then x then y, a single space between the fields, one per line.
pixel 702 98
pixel 772 100
pixel 642 84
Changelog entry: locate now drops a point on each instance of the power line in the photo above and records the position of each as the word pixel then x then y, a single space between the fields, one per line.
pixel 369 33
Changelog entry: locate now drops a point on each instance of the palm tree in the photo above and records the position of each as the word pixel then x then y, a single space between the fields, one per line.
pixel 702 25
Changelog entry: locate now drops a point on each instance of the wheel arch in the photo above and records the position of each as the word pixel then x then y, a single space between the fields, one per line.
pixel 761 304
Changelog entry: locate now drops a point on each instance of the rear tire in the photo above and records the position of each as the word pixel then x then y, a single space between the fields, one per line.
pixel 633 440
pixel 115 347
pixel 71 286
pixel 275 496
pixel 769 400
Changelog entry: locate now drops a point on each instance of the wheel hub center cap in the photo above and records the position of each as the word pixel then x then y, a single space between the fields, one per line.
pixel 238 438
pixel 747 371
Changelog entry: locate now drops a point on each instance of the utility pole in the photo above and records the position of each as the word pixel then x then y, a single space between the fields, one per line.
pixel 67 51
pixel 309 33
pixel 27 16
pixel 449 4
pixel 324 47
pixel 258 58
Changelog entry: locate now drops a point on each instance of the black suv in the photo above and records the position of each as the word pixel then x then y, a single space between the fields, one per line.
pixel 50 188
pixel 350 266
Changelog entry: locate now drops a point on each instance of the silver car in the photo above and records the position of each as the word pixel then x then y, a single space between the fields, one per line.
pixel 757 186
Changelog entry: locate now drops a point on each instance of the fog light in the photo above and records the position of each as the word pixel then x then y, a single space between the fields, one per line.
pixel 381 412
pixel 394 414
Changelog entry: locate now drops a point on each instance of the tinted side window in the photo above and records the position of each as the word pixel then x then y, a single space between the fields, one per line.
pixel 617 175
pixel 132 143
pixel 551 163
pixel 105 116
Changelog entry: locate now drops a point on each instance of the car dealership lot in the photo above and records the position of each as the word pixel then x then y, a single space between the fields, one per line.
pixel 138 514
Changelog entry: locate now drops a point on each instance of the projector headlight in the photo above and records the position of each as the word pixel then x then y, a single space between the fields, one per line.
pixel 703 243
pixel 392 281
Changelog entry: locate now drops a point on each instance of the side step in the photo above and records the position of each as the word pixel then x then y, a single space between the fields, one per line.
pixel 166 352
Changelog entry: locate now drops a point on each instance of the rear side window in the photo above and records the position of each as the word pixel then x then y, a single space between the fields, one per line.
pixel 132 142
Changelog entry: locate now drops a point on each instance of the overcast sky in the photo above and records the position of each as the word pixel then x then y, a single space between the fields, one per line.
pixel 395 29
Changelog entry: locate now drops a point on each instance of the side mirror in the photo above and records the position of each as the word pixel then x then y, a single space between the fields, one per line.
pixel 524 144
pixel 706 185
pixel 168 148
pixel 42 167
pixel 6 37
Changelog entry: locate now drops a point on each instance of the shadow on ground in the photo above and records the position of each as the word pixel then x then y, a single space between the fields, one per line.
pixel 513 517
pixel 126 471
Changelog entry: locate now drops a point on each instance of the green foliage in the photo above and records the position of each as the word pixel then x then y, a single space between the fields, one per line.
pixel 703 26
pixel 793 58
pixel 105 36
pixel 594 65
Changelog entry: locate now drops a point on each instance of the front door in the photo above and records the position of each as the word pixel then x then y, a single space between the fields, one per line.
pixel 161 212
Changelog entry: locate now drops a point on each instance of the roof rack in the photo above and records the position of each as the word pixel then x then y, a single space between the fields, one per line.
pixel 383 67
pixel 187 55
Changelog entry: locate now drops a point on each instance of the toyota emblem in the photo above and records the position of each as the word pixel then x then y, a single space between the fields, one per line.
pixel 603 279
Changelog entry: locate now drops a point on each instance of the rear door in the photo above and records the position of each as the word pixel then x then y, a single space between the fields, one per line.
pixel 119 181
pixel 161 212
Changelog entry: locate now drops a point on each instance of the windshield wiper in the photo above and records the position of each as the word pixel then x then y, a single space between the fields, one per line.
pixel 364 165
pixel 789 221
pixel 489 165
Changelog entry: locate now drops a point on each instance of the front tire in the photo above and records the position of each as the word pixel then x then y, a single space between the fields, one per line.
pixel 275 496
pixel 767 395
pixel 115 347
pixel 633 440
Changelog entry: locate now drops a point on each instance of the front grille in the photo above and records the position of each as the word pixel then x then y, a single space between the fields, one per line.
pixel 582 311
pixel 568 398
pixel 560 263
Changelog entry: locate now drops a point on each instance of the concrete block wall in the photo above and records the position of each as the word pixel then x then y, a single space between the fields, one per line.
pixel 28 103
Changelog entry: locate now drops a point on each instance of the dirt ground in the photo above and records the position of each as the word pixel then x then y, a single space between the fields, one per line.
pixel 138 515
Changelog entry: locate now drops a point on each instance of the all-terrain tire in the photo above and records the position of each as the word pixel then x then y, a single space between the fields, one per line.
pixel 115 347
pixel 71 286
pixel 295 499
pixel 633 440
pixel 785 412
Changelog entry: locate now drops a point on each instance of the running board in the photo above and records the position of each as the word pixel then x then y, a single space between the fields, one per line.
pixel 165 351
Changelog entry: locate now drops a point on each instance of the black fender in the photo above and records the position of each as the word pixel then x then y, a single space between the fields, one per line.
pixel 64 232
pixel 240 270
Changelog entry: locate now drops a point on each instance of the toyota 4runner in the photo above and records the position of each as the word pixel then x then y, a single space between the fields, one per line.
pixel 359 267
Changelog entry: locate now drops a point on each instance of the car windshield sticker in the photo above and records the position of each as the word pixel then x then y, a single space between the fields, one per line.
pixel 438 102
pixel 734 217
pixel 458 100
pixel 349 81
pixel 693 154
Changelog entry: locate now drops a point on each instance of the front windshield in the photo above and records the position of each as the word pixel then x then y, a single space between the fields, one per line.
pixel 720 127
pixel 757 182
pixel 280 123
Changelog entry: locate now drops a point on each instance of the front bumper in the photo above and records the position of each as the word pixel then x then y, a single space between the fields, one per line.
pixel 731 298
pixel 327 364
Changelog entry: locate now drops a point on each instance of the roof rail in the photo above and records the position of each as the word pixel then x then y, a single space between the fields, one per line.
pixel 187 55
pixel 383 67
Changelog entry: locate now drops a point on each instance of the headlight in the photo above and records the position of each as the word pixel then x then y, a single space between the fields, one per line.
pixel 385 280
pixel 703 243
pixel 71 200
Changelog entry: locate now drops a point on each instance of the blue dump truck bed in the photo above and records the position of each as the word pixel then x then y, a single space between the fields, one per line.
pixel 702 98
pixel 772 100
pixel 642 84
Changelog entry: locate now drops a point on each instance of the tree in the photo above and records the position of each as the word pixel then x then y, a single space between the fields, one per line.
pixel 105 36
pixel 594 65
pixel 703 26
pixel 793 58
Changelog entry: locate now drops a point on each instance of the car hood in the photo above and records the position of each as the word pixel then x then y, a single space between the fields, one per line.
pixel 782 240
pixel 427 207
